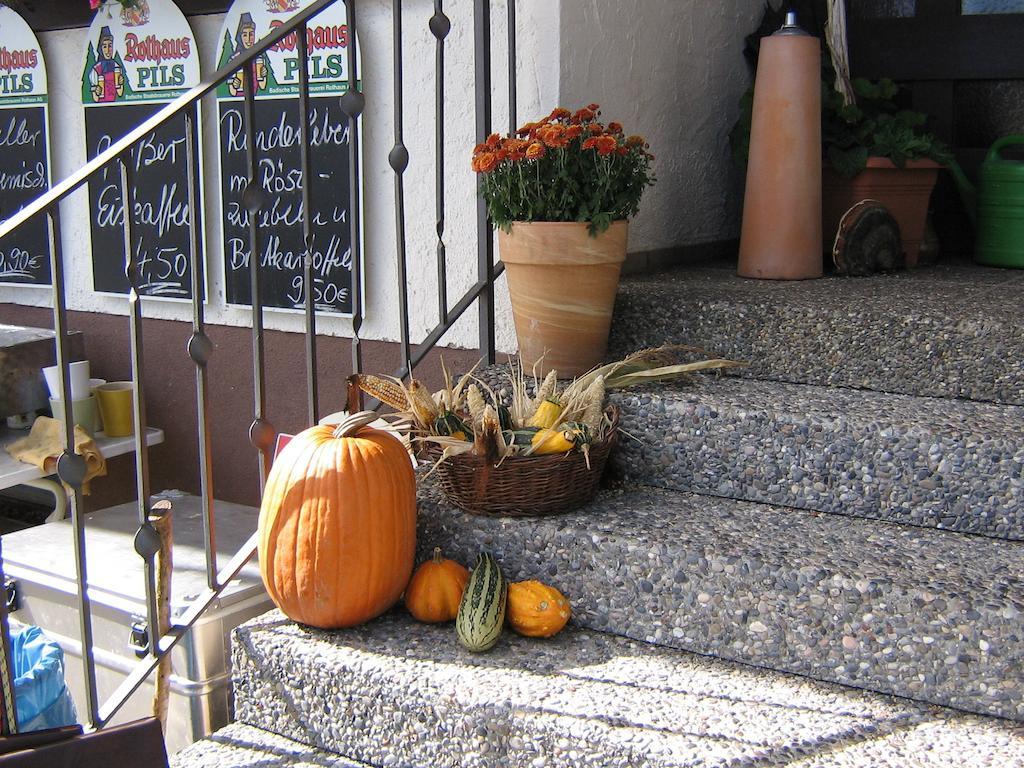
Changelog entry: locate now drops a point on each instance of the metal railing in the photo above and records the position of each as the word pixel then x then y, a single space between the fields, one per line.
pixel 71 467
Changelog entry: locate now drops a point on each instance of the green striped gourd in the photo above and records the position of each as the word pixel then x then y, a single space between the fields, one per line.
pixel 482 610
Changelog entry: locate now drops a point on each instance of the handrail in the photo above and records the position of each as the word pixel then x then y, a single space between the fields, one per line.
pixel 171 110
pixel 200 347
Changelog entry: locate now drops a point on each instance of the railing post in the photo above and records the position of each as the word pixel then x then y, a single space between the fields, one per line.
pixel 440 26
pixel 484 233
pixel 199 350
pixel 71 467
pixel 398 159
pixel 261 433
pixel 352 103
pixel 308 238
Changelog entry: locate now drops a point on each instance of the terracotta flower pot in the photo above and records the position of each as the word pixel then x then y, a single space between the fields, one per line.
pixel 904 191
pixel 563 284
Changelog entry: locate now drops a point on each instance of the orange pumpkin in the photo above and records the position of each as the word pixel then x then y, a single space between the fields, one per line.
pixel 436 589
pixel 337 527
pixel 535 609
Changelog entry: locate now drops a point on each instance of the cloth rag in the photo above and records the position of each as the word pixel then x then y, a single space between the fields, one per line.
pixel 45 443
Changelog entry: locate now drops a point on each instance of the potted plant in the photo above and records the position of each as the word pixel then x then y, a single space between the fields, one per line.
pixel 873 150
pixel 879 152
pixel 560 191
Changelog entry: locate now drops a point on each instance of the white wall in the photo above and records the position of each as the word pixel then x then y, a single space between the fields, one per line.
pixel 673 71
pixel 670 69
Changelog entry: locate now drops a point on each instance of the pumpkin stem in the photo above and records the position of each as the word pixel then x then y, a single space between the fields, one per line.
pixel 437 555
pixel 353 423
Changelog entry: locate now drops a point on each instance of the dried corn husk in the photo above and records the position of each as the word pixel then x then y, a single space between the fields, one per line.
pixel 476 404
pixel 488 441
pixel 593 405
pixel 422 405
pixel 389 391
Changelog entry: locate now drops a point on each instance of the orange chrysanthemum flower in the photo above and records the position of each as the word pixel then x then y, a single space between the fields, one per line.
pixel 573 132
pixel 535 151
pixel 516 156
pixel 596 129
pixel 485 162
pixel 590 143
pixel 615 127
pixel 560 113
pixel 528 128
pixel 606 145
pixel 479 148
pixel 584 115
pixel 493 140
pixel 553 136
pixel 594 107
pixel 635 141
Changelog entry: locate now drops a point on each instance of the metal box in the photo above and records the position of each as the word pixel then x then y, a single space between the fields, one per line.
pixel 24 352
pixel 41 561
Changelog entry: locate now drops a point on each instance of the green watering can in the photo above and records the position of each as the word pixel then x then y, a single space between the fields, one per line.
pixel 997 206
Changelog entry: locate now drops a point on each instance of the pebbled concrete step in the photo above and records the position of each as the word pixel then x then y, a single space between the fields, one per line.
pixel 941 331
pixel 898 609
pixel 396 692
pixel 956 465
pixel 242 746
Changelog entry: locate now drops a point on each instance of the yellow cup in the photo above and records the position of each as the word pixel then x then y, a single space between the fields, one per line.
pixel 115 400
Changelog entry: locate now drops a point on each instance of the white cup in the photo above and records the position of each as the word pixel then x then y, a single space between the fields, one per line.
pixel 79 380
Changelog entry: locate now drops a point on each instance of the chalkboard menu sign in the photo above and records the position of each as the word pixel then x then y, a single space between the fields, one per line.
pixel 136 61
pixel 24 151
pixel 160 191
pixel 277 141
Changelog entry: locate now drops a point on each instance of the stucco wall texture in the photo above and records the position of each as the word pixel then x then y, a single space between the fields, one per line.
pixel 673 71
pixel 670 69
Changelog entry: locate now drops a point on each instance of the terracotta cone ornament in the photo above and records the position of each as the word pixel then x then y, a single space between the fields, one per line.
pixel 781 236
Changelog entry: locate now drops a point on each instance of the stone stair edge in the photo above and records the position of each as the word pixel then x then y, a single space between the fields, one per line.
pixel 915 612
pixel 942 333
pixel 581 699
pixel 242 746
pixel 955 465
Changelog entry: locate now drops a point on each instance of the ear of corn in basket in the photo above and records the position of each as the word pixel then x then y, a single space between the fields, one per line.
pixel 469 415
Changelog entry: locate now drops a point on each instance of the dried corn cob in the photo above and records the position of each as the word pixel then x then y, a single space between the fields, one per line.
pixel 422 404
pixel 476 403
pixel 488 441
pixel 593 405
pixel 387 391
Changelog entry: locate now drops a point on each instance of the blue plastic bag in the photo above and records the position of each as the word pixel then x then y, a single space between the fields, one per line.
pixel 40 691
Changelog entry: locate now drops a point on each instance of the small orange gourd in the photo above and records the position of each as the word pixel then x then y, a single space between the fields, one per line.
pixel 435 591
pixel 536 610
pixel 337 526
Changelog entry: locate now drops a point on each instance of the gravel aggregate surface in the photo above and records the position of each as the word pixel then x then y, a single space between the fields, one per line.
pixel 943 331
pixel 917 612
pixel 956 465
pixel 398 693
pixel 242 746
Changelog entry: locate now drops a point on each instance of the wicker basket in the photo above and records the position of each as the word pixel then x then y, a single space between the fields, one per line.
pixel 523 486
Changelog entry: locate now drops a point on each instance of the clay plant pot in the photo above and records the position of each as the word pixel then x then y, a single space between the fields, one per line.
pixel 563 284
pixel 905 191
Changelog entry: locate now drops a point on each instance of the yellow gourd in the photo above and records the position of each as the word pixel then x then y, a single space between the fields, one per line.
pixel 535 609
pixel 547 414
pixel 549 441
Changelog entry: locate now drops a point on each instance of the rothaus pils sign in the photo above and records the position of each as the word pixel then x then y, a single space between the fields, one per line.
pixel 137 60
pixel 24 150
pixel 143 53
pixel 273 80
